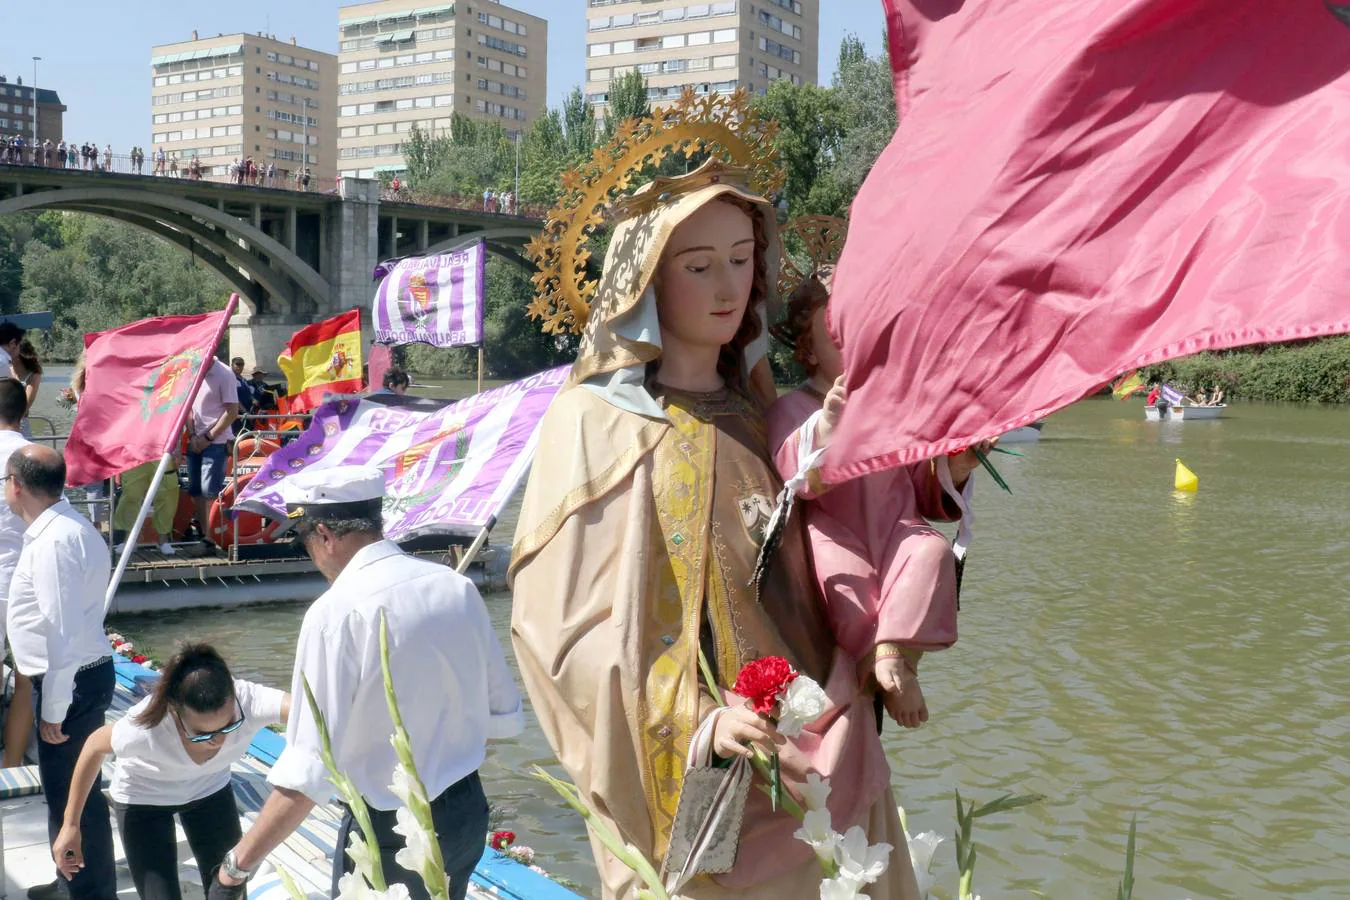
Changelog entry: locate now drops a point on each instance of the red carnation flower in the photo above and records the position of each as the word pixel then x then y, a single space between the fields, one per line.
pixel 763 681
pixel 503 839
pixel 140 659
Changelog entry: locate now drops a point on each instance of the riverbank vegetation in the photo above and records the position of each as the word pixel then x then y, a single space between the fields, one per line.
pixel 1307 372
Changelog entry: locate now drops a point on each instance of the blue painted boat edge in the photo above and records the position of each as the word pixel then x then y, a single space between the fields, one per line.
pixel 510 878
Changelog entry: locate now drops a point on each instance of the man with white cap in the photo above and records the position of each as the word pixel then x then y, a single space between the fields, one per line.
pixel 453 686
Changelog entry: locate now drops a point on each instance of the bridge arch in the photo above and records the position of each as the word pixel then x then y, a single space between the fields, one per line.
pixel 212 228
pixel 507 242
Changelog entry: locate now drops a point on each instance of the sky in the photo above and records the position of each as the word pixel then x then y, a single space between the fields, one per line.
pixel 96 55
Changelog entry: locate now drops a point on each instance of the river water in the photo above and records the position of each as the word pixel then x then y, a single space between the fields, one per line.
pixel 1125 651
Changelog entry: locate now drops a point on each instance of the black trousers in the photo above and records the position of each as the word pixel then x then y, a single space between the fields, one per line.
pixel 56 764
pixel 460 815
pixel 212 828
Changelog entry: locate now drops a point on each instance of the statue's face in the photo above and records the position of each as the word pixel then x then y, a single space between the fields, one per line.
pixel 704 278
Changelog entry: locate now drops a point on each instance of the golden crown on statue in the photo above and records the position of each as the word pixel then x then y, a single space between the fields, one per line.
pixel 721 125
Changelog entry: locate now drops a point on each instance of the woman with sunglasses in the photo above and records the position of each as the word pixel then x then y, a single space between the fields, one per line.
pixel 174 750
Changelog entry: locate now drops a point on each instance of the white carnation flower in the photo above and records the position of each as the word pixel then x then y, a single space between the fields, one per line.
pixel 804 702
pixel 816 791
pixel 818 831
pixel 859 861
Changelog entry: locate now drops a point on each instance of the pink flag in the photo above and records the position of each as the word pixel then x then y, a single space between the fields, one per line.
pixel 1079 188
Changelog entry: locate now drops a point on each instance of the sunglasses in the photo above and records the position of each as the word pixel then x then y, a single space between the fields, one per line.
pixel 203 737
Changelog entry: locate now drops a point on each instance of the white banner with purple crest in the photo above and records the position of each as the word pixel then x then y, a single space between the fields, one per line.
pixel 436 300
pixel 447 471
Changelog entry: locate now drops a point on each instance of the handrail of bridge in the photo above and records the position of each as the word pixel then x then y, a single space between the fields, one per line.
pixel 122 164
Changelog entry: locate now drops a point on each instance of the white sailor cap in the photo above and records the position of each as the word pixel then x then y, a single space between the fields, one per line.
pixel 334 493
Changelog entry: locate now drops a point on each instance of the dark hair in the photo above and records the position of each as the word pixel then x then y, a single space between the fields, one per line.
pixel 195 677
pixel 13 401
pixel 807 297
pixel 370 523
pixel 237 359
pixel 395 377
pixel 10 332
pixel 42 473
pixel 28 357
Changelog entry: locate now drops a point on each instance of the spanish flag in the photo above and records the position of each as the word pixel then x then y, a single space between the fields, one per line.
pixel 1128 385
pixel 321 359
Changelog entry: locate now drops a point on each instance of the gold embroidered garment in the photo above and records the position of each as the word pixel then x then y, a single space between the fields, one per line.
pixel 610 603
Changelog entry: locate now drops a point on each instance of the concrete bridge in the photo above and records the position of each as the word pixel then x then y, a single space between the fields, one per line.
pixel 294 257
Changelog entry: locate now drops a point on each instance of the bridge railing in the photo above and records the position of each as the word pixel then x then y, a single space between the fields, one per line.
pixel 123 164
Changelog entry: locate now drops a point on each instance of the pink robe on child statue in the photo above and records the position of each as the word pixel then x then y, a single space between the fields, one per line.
pixel 885 573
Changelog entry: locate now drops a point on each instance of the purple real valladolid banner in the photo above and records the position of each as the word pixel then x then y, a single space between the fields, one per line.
pixel 436 300
pixel 448 471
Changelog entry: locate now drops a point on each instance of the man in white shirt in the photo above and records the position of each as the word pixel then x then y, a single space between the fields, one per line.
pixel 19 716
pixel 55 624
pixel 214 410
pixel 453 686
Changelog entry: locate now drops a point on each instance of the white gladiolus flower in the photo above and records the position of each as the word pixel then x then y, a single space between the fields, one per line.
pixel 416 856
pixel 858 861
pixel 405 787
pixel 362 858
pixel 816 791
pixel 922 847
pixel 804 702
pixel 818 831
pixel 841 889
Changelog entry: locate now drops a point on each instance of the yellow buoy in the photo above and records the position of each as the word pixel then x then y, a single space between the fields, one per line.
pixel 1186 480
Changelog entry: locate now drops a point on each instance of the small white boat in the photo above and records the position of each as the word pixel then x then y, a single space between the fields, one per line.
pixel 1027 434
pixel 1184 413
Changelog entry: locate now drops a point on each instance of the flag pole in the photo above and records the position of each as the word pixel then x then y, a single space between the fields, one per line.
pixel 134 534
pixel 480 367
pixel 150 491
pixel 481 539
pixel 476 546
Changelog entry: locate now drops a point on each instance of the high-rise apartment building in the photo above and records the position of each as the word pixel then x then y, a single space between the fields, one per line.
pixel 714 47
pixel 404 63
pixel 234 96
pixel 17 109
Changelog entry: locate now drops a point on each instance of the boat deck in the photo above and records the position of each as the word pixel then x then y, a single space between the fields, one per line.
pixel 306 856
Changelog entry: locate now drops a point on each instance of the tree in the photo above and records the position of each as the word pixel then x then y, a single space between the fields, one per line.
pixel 867 102
pixel 578 124
pixel 627 99
pixel 811 124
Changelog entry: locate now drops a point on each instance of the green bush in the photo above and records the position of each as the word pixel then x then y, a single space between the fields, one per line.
pixel 1308 372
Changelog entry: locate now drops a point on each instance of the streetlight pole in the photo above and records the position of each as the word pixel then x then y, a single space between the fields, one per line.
pixel 36 60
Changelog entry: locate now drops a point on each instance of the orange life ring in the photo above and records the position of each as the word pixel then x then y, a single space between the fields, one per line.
pixel 253 528
pixel 249 447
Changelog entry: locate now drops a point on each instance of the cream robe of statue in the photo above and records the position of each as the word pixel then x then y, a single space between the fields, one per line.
pixel 636 541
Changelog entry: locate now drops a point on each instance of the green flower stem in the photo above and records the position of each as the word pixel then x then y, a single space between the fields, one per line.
pixel 291 887
pixel 350 795
pixel 437 882
pixel 627 854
